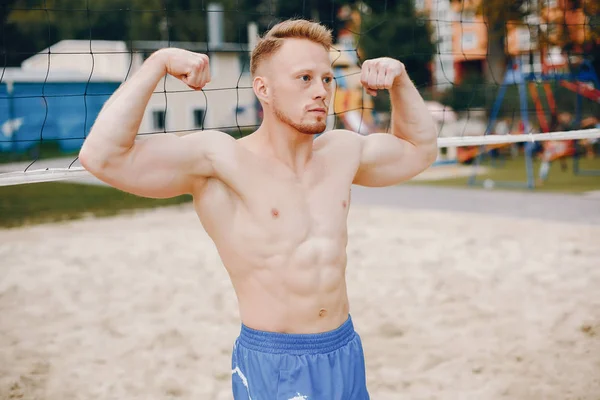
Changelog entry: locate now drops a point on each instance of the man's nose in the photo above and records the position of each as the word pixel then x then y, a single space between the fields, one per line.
pixel 320 91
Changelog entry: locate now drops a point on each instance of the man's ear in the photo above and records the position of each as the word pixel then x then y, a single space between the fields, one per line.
pixel 261 89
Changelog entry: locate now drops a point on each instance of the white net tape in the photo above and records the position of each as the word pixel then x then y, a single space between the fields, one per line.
pixel 58 174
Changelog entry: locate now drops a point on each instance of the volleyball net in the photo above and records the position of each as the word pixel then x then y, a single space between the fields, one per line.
pixel 501 78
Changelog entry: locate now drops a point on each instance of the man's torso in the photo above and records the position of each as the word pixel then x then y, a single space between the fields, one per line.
pixel 282 236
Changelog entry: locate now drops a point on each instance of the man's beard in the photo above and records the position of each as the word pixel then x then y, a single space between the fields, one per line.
pixel 306 128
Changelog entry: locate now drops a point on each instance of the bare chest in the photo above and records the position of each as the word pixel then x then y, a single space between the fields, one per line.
pixel 319 209
pixel 270 208
pixel 294 211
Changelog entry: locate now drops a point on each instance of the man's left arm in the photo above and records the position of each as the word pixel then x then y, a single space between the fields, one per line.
pixel 388 159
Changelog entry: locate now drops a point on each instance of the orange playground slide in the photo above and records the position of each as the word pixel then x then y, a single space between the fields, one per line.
pixel 583 89
pixel 467 153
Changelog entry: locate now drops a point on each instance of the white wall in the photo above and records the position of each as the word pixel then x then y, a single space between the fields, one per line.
pixel 103 60
pixel 219 99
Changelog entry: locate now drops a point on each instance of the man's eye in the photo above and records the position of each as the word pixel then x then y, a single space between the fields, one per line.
pixel 305 78
pixel 327 80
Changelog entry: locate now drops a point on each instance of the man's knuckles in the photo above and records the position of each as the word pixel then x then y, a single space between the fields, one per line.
pixel 198 64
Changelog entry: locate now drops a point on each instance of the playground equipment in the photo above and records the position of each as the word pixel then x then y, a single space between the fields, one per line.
pixel 576 79
pixel 584 82
pixel 536 62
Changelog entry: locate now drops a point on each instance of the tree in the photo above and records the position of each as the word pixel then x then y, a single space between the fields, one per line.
pixel 27 28
pixel 268 12
pixel 397 31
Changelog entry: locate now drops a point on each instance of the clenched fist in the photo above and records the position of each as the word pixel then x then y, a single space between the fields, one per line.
pixel 380 73
pixel 191 68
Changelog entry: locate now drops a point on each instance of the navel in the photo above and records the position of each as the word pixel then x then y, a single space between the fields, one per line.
pixel 322 312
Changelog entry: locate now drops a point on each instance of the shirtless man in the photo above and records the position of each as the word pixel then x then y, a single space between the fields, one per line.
pixel 275 202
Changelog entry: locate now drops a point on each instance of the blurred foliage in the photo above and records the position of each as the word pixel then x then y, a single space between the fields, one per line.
pixel 472 92
pixel 29 26
pixel 399 32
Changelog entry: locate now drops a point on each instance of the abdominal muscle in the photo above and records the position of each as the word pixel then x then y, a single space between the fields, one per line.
pixel 299 289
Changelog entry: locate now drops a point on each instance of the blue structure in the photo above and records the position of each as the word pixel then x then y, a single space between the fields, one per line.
pixel 514 75
pixel 35 112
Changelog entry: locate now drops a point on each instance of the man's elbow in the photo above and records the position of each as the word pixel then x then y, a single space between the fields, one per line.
pixel 429 149
pixel 86 157
pixel 92 159
pixel 431 154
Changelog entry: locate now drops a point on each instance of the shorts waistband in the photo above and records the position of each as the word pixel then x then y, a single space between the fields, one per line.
pixel 297 343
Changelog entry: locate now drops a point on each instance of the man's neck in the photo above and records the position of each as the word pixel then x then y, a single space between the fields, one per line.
pixel 292 148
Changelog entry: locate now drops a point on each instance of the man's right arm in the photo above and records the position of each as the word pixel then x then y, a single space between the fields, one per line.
pixel 158 166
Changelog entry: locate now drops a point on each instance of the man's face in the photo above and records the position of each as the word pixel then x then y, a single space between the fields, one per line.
pixel 301 85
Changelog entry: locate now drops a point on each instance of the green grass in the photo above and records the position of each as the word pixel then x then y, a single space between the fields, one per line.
pixel 42 151
pixel 513 170
pixel 57 201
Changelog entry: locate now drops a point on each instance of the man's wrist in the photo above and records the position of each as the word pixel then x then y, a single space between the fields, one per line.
pixel 158 60
pixel 402 81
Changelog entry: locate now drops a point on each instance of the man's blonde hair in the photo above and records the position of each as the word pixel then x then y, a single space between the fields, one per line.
pixel 290 29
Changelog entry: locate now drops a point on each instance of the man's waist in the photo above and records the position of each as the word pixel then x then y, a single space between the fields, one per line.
pixel 297 343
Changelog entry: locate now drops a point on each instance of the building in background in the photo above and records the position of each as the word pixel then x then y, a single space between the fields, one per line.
pixel 227 102
pixel 462 40
pixel 470 40
pixel 439 14
pixel 57 94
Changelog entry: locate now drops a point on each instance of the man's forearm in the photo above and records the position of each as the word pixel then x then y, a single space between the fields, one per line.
pixel 119 120
pixel 411 119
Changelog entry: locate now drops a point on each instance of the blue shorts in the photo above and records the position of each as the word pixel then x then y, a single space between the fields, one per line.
pixel 282 366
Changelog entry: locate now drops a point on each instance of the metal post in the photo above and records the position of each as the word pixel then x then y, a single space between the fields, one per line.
pixel 528 146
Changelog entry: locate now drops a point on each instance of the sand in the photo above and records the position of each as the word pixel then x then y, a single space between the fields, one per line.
pixel 449 305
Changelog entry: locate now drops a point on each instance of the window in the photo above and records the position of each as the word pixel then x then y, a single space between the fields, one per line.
pixel 158 120
pixel 198 118
pixel 469 41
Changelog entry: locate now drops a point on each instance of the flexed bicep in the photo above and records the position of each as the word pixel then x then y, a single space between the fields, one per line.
pixel 387 160
pixel 160 165
pixel 165 165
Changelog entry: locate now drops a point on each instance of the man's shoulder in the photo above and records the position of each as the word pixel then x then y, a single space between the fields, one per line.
pixel 210 140
pixel 340 147
pixel 338 137
pixel 206 134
